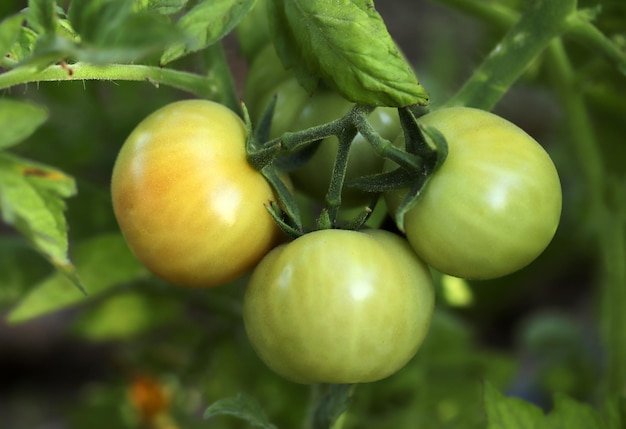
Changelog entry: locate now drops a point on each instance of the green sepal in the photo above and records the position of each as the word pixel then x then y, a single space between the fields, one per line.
pixel 259 154
pixel 285 226
pixel 357 222
pixel 323 220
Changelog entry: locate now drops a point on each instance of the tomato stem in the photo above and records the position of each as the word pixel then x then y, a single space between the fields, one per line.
pixel 538 26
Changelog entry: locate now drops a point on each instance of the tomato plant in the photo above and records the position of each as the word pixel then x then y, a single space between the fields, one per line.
pixel 201 196
pixel 186 198
pixel 492 207
pixel 338 306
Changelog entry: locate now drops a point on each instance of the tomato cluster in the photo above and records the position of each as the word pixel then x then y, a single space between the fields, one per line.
pixel 331 306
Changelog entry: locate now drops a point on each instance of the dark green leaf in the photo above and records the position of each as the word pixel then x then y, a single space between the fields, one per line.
pixel 10 32
pixel 113 31
pixel 103 263
pixel 570 414
pixel 20 268
pixel 162 7
pixel 41 16
pixel 31 199
pixel 347 46
pixel 18 120
pixel 510 413
pixel 205 24
pixel 243 407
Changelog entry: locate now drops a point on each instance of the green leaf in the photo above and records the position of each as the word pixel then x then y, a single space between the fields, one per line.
pixel 18 120
pixel 162 7
pixel 113 31
pixel 24 45
pixel 10 32
pixel 126 315
pixel 31 199
pixel 41 16
pixel 347 46
pixel 205 24
pixel 20 268
pixel 511 413
pixel 570 414
pixel 243 407
pixel 103 263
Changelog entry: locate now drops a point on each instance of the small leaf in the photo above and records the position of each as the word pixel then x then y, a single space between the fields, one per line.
pixel 112 31
pixel 18 120
pixel 243 407
pixel 205 24
pixel 162 7
pixel 41 16
pixel 31 199
pixel 20 268
pixel 570 414
pixel 347 46
pixel 510 413
pixel 10 32
pixel 103 263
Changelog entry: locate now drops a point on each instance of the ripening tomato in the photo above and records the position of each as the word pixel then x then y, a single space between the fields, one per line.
pixel 339 306
pixel 492 207
pixel 190 206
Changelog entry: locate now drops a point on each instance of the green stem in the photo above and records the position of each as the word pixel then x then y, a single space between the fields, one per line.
pixel 333 196
pixel 497 14
pixel 201 86
pixel 220 76
pixel 580 29
pixel 608 222
pixel 577 26
pixel 328 403
pixel 540 24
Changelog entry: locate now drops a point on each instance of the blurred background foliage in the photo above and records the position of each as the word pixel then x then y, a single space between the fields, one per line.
pixel 144 352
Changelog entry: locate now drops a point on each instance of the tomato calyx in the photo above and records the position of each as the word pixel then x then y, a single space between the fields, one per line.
pixel 274 156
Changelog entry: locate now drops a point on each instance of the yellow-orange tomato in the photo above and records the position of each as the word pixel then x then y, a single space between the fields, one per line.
pixel 190 206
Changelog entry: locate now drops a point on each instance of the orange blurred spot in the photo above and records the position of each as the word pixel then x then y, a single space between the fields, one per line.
pixel 149 398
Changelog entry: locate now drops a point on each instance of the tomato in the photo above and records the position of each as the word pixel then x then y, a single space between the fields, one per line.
pixel 339 306
pixel 189 205
pixel 267 78
pixel 314 177
pixel 492 207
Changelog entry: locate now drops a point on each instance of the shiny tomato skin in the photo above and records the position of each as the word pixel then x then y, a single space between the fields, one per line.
pixel 313 178
pixel 492 207
pixel 189 205
pixel 338 306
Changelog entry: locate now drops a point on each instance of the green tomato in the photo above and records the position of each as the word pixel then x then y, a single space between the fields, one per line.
pixel 492 207
pixel 186 198
pixel 265 74
pixel 338 306
pixel 313 178
pixel 253 31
